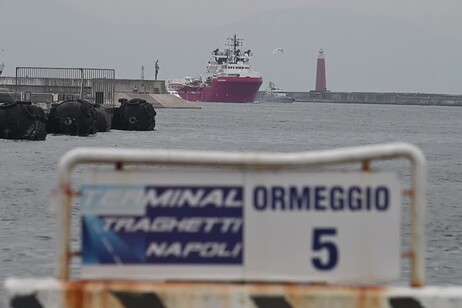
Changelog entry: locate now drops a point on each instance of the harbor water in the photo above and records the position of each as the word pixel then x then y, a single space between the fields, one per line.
pixel 28 169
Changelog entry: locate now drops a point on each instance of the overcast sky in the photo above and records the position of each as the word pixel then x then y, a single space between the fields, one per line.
pixel 371 45
pixel 444 16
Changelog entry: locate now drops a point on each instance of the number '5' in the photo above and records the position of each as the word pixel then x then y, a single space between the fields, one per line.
pixel 320 241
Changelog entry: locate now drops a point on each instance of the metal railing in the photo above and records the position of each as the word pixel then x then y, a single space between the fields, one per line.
pixel 361 154
pixel 68 82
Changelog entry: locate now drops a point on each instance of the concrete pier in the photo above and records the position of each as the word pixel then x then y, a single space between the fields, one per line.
pixel 159 100
pixel 45 91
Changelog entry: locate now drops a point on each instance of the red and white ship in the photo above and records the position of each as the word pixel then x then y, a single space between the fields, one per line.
pixel 231 78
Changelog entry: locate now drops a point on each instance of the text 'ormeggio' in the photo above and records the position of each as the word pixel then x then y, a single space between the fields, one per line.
pixel 321 198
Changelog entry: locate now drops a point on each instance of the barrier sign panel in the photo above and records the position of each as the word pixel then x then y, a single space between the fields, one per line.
pixel 259 225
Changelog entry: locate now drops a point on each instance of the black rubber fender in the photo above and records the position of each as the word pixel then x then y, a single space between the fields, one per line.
pixel 135 114
pixel 73 117
pixel 103 120
pixel 22 121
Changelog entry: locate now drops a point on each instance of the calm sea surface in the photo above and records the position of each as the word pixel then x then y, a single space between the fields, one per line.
pixel 28 169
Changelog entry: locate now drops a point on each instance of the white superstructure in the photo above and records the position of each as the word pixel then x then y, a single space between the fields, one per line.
pixel 231 61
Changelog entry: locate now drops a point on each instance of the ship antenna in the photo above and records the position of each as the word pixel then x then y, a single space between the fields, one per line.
pixel 234 44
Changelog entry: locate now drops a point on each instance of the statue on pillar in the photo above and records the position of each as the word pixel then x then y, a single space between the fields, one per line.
pixel 157 69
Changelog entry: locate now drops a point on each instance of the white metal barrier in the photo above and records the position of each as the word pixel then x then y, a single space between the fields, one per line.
pixel 249 160
pixel 65 292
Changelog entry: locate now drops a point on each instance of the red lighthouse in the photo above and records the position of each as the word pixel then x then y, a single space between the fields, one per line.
pixel 321 73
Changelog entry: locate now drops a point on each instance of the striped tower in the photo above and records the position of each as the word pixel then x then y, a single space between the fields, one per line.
pixel 321 73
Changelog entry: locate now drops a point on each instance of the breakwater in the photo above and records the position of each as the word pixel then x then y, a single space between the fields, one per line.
pixel 382 98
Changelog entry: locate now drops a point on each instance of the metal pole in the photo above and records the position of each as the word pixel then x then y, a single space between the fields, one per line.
pixel 81 83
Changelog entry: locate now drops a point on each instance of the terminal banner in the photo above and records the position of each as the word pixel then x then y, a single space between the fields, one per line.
pixel 259 225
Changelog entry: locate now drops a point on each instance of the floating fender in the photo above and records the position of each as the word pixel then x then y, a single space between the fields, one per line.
pixel 73 117
pixel 103 120
pixel 22 121
pixel 135 114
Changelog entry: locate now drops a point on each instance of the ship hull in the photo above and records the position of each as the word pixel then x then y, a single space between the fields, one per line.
pixel 226 89
pixel 191 96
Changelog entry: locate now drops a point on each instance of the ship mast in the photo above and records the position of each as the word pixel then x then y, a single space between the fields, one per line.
pixel 235 43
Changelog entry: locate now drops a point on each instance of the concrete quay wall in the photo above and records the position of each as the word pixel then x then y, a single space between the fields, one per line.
pixel 56 85
pixel 391 98
pixel 44 91
pixel 134 85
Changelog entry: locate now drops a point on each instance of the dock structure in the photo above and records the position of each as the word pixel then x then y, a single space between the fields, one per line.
pixel 158 100
pixel 42 85
pixel 46 85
